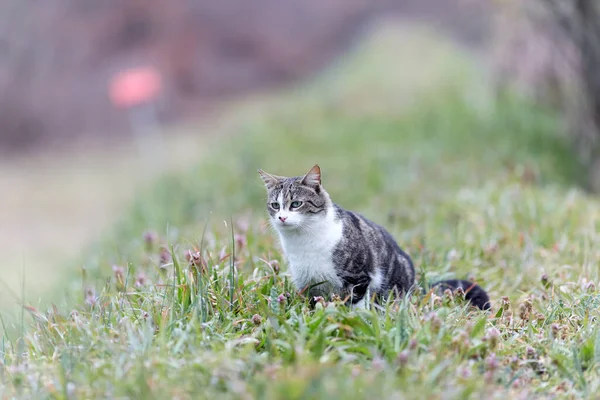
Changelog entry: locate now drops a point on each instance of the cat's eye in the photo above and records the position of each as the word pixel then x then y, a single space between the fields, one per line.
pixel 295 204
pixel 275 206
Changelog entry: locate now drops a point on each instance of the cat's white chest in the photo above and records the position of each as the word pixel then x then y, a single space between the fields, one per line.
pixel 309 253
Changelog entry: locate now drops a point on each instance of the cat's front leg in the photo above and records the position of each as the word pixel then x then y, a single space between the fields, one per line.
pixel 365 302
pixel 357 295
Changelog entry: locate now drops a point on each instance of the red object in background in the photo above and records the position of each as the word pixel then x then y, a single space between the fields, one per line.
pixel 135 86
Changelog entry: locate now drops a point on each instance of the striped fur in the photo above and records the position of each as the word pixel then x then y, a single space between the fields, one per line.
pixel 332 251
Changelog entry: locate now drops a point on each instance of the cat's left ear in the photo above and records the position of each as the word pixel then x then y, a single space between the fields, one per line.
pixel 270 180
pixel 313 177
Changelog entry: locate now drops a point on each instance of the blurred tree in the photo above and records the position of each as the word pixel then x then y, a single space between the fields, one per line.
pixel 579 20
pixel 551 49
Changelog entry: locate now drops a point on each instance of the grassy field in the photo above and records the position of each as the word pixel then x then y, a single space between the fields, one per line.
pixel 188 297
pixel 56 202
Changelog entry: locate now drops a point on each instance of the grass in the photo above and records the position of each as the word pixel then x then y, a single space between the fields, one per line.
pixel 188 296
pixel 78 193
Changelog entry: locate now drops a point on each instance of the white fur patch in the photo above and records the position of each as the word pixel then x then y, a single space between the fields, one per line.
pixel 309 251
pixel 376 280
pixel 361 304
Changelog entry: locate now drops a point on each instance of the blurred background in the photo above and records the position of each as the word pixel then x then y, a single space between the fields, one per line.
pixel 58 57
pixel 99 96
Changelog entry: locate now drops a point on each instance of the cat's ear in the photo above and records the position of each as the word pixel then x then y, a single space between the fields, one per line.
pixel 313 177
pixel 270 180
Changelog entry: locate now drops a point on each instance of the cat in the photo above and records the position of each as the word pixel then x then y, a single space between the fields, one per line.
pixel 333 251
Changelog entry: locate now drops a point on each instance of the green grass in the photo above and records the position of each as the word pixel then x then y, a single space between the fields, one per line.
pixel 471 185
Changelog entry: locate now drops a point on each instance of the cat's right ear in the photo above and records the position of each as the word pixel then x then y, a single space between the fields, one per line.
pixel 313 177
pixel 270 180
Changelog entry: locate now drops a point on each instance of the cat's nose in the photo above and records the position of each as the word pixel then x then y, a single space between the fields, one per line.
pixel 282 219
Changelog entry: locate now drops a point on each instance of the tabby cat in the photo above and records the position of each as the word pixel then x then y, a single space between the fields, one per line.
pixel 332 251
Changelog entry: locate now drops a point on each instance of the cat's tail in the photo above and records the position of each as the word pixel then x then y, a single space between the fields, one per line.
pixel 473 292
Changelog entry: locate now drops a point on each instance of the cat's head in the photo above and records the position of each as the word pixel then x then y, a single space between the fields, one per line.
pixel 294 203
